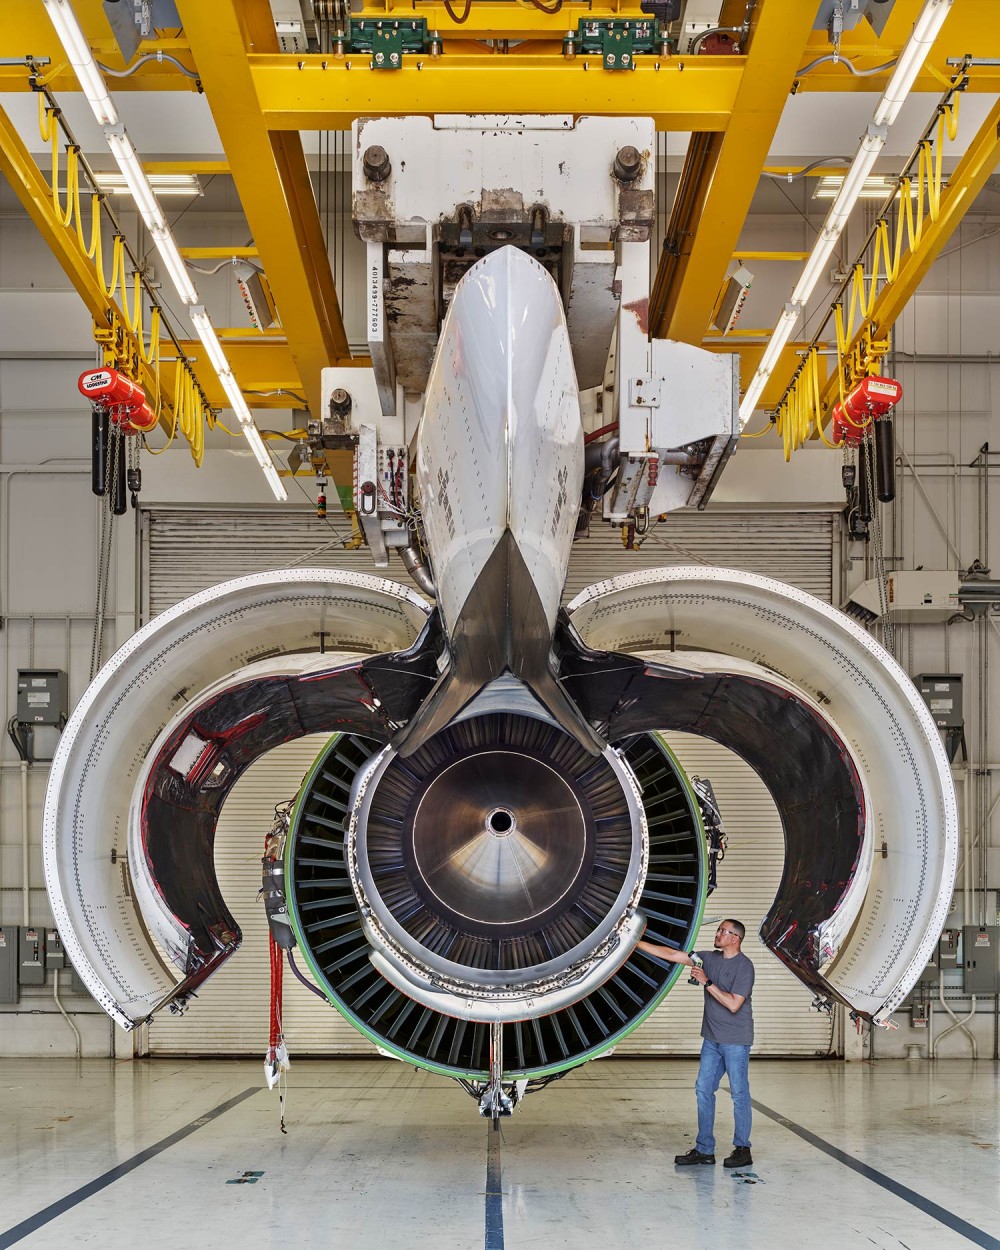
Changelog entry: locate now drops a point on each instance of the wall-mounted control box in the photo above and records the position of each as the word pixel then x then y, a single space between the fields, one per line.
pixel 42 697
pixel 8 964
pixel 31 956
pixel 55 952
pixel 948 949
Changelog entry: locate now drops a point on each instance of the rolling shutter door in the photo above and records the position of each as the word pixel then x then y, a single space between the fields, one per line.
pixel 187 550
pixel 229 1015
pixel 784 1022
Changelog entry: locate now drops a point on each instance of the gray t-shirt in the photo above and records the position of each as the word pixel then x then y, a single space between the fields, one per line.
pixel 735 976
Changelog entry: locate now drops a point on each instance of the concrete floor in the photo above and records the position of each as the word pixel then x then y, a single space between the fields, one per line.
pixel 887 1155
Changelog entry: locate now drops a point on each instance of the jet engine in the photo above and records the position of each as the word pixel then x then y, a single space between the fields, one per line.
pixel 495 821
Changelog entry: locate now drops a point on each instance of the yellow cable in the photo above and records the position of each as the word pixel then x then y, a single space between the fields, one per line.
pixel 44 118
pixel 760 433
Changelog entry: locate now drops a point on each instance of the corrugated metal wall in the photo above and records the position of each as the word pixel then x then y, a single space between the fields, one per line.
pixel 186 551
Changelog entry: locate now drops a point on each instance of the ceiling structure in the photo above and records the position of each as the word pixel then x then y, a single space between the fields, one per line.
pixel 725 110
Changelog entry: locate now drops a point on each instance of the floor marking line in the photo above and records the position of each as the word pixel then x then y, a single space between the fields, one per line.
pixel 34 1222
pixel 976 1235
pixel 494 1192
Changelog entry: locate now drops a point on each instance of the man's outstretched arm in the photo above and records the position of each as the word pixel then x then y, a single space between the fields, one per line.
pixel 666 953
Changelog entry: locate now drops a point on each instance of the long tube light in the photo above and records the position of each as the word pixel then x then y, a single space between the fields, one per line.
pixel 135 177
pixel 815 266
pixel 75 45
pixel 82 59
pixel 911 59
pixel 908 66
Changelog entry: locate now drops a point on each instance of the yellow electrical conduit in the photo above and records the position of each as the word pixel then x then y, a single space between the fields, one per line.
pixel 190 412
pixel 799 412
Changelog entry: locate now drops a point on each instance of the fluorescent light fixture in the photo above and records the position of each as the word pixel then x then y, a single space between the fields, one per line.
pixel 815 266
pixel 206 332
pixel 135 176
pixel 252 434
pixel 854 180
pixel 78 51
pixel 274 481
pixel 161 184
pixel 876 187
pixel 911 60
pixel 174 264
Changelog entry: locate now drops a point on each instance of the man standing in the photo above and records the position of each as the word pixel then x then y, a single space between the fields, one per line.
pixel 727 1032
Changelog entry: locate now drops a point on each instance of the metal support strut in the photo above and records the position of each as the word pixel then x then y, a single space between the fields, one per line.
pixel 496 1101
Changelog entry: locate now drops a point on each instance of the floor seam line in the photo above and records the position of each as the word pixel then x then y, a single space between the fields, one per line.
pixel 33 1223
pixel 955 1222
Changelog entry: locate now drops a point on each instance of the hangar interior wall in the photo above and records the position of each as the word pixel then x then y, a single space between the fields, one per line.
pixel 945 346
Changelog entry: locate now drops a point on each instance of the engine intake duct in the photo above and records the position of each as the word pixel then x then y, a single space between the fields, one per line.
pixel 440 896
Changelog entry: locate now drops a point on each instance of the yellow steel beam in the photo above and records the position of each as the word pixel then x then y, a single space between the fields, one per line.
pixel 273 183
pixel 968 179
pixel 262 365
pixel 720 175
pixel 217 253
pixel 743 254
pixel 750 354
pixel 260 368
pixel 186 167
pixel 32 189
pixel 25 30
pixel 970 27
pixel 328 93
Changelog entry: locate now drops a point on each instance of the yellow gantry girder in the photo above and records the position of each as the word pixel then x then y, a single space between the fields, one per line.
pixel 328 93
pixel 720 175
pixel 273 183
pixel 964 184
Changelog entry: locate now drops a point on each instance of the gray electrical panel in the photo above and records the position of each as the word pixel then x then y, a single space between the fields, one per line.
pixel 42 697
pixel 55 952
pixel 31 957
pixel 942 692
pixel 8 964
pixel 980 959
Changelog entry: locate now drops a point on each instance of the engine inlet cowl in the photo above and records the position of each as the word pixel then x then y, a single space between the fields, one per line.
pixel 497 869
pixel 379 995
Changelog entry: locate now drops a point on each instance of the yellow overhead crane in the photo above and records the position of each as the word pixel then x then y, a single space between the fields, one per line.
pixel 492 57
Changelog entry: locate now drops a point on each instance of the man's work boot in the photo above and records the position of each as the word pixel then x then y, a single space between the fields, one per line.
pixel 740 1158
pixel 693 1156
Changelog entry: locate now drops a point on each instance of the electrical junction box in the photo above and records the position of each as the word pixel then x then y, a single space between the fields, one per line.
pixel 948 949
pixel 76 985
pixel 31 957
pixel 980 959
pixel 734 296
pixel 41 696
pixel 55 952
pixel 916 596
pixel 942 692
pixel 8 964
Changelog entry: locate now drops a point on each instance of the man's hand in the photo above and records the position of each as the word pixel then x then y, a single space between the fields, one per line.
pixel 699 975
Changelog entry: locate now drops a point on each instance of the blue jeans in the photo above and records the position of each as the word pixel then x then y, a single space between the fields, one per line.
pixel 735 1062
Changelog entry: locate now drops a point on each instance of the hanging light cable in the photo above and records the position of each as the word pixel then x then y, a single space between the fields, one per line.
pixel 908 66
pixel 78 51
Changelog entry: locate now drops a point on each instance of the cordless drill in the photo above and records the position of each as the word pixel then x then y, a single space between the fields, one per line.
pixel 698 962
